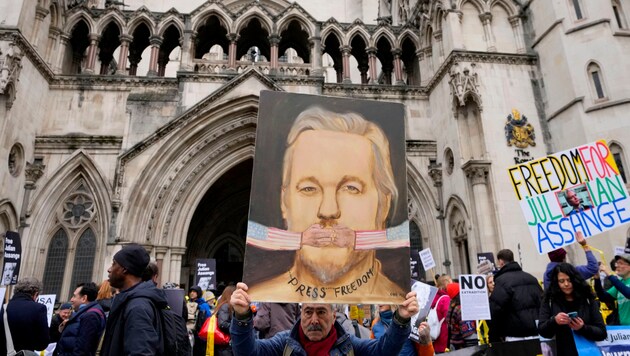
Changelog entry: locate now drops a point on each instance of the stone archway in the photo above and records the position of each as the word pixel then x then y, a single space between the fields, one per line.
pixel 219 225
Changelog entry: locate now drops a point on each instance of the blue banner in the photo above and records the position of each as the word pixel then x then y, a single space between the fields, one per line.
pixel 616 343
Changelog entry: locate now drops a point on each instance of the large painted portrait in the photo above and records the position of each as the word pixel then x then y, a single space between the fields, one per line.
pixel 328 211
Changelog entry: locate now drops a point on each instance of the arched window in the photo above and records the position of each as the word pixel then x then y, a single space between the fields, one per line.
pixel 55 263
pixel 84 259
pixel 620 160
pixel 619 15
pixel 597 81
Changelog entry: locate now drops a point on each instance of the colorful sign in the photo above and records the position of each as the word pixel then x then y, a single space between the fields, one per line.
pixel 575 190
pixel 617 342
pixel 328 216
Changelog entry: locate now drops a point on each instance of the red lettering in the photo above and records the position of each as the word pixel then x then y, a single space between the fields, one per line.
pixel 585 161
pixel 604 154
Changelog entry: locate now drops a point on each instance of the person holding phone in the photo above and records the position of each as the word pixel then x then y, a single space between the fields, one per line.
pixel 569 306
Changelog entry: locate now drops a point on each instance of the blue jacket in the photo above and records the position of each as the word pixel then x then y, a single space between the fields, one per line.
pixel 244 343
pixel 133 325
pixel 204 307
pixel 587 271
pixel 82 332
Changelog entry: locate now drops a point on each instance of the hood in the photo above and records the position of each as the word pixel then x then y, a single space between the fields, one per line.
pixel 143 290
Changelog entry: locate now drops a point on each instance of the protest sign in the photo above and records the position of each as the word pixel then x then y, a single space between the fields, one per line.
pixel 424 295
pixel 49 301
pixel 205 275
pixel 414 264
pixel 427 259
pixel 12 257
pixel 473 296
pixel 574 190
pixel 617 342
pixel 327 220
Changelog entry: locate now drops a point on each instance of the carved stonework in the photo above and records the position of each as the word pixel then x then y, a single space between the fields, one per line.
pixel 33 172
pixel 435 172
pixel 10 66
pixel 16 160
pixel 518 131
pixel 464 85
pixel 477 171
pixel 449 160
pixel 78 209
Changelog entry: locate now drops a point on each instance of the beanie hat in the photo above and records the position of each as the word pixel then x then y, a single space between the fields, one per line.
pixel 196 289
pixel 65 306
pixel 134 258
pixel 452 289
pixel 557 255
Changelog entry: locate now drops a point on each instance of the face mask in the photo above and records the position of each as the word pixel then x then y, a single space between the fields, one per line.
pixel 388 314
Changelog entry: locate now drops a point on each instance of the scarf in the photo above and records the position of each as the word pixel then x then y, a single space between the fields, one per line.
pixel 318 348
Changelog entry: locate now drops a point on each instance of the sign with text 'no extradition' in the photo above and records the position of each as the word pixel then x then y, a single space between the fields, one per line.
pixel 579 189
pixel 473 296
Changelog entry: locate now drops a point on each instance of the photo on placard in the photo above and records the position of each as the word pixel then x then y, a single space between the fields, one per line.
pixel 574 199
pixel 328 216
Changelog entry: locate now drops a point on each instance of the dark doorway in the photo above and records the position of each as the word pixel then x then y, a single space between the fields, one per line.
pixel 219 225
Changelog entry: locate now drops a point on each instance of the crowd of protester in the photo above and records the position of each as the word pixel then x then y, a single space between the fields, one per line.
pixel 123 315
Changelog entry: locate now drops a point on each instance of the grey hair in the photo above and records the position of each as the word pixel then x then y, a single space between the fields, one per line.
pixel 315 118
pixel 339 308
pixel 30 286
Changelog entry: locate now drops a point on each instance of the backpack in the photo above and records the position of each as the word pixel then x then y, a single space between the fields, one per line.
pixel 192 308
pixel 435 324
pixel 174 333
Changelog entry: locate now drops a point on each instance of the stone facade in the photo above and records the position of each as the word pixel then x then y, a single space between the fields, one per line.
pixel 136 122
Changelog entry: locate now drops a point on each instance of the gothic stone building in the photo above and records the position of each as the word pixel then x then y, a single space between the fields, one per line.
pixel 136 122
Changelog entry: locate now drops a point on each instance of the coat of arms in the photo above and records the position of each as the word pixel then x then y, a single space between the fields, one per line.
pixel 518 131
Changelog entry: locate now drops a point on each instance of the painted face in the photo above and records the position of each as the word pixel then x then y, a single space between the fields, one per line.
pixel 572 198
pixel 77 299
pixel 116 275
pixel 622 268
pixel 331 183
pixel 565 284
pixel 317 320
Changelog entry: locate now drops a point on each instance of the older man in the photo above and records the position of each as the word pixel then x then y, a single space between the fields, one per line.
pixel 316 332
pixel 337 190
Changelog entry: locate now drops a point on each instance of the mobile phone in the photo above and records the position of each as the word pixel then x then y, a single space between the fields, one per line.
pixel 572 315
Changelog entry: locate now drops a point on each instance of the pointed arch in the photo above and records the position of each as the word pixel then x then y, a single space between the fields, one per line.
pixel 411 35
pixel 141 19
pixel 383 33
pixel 356 31
pixel 77 17
pixel 79 167
pixel 618 151
pixel 332 29
pixel 251 14
pixel 479 5
pixel 284 22
pixel 115 17
pixel 224 20
pixel 84 255
pixel 421 193
pixel 9 217
pixel 170 20
pixel 508 6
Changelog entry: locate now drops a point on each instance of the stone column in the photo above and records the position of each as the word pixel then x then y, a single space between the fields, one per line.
pixel 274 41
pixel 428 60
pixel 435 172
pixel 176 264
pixel 32 173
pixel 454 22
pixel 486 20
pixel 371 52
pixel 345 55
pixel 155 41
pixel 232 37
pixel 91 54
pixel 51 48
pixel 160 252
pixel 398 73
pixel 40 14
pixel 517 27
pixel 477 173
pixel 64 40
pixel 316 55
pixel 422 67
pixel 186 61
pixel 125 40
pixel 437 35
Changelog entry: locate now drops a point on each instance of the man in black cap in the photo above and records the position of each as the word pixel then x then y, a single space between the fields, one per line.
pixel 133 323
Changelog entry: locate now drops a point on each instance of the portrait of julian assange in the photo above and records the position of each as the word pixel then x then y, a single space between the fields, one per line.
pixel 328 207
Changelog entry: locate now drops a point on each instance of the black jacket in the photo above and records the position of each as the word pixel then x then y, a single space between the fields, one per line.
pixel 594 328
pixel 133 324
pixel 28 322
pixel 82 332
pixel 515 302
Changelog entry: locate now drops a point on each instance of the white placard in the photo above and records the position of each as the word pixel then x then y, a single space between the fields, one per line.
pixel 427 259
pixel 49 301
pixel 425 295
pixel 619 250
pixel 473 295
